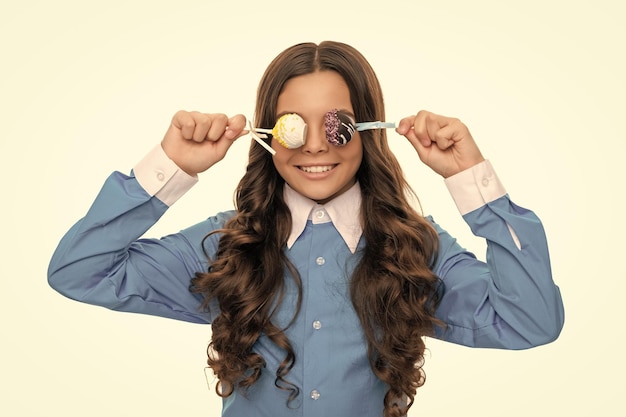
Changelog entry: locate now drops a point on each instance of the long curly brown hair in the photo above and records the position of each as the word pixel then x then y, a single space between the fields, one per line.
pixel 393 289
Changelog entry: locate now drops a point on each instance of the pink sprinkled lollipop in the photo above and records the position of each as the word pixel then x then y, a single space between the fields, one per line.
pixel 340 127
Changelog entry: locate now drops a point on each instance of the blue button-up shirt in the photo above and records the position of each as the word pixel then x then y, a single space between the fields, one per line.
pixel 510 301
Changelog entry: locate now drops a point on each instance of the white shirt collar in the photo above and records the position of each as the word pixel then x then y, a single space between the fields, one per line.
pixel 344 211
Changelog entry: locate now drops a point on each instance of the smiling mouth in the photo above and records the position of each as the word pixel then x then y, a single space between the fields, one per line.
pixel 316 169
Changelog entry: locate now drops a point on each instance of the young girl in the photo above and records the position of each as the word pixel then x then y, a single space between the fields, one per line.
pixel 322 284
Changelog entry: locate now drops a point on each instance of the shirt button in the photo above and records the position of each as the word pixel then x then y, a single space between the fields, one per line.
pixel 317 324
pixel 160 176
pixel 320 261
pixel 485 182
pixel 315 394
pixel 320 214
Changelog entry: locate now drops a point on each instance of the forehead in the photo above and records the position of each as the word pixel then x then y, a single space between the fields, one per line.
pixel 314 94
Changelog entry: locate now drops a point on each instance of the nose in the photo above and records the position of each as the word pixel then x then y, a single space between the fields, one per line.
pixel 315 141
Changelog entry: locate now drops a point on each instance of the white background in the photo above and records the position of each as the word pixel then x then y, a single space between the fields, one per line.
pixel 89 87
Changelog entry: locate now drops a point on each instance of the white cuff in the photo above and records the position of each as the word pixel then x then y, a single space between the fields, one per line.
pixel 161 177
pixel 475 187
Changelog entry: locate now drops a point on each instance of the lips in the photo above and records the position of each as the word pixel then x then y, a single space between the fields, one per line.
pixel 316 169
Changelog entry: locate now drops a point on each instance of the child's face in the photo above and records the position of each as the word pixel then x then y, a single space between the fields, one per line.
pixel 318 170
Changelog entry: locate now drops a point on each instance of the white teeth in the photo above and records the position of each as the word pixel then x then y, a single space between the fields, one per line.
pixel 316 168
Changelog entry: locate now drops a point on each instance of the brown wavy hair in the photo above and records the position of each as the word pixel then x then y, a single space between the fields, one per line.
pixel 393 289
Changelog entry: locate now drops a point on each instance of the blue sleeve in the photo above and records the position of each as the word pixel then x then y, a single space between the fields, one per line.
pixel 102 261
pixel 510 301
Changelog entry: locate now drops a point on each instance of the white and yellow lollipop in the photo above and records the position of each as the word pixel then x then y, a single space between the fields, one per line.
pixel 290 131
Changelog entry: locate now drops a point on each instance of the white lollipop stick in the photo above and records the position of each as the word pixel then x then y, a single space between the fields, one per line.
pixel 257 138
pixel 374 125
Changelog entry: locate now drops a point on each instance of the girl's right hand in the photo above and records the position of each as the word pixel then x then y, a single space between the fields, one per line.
pixel 196 141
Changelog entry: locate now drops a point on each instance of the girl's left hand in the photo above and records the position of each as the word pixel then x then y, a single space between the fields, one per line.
pixel 443 143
